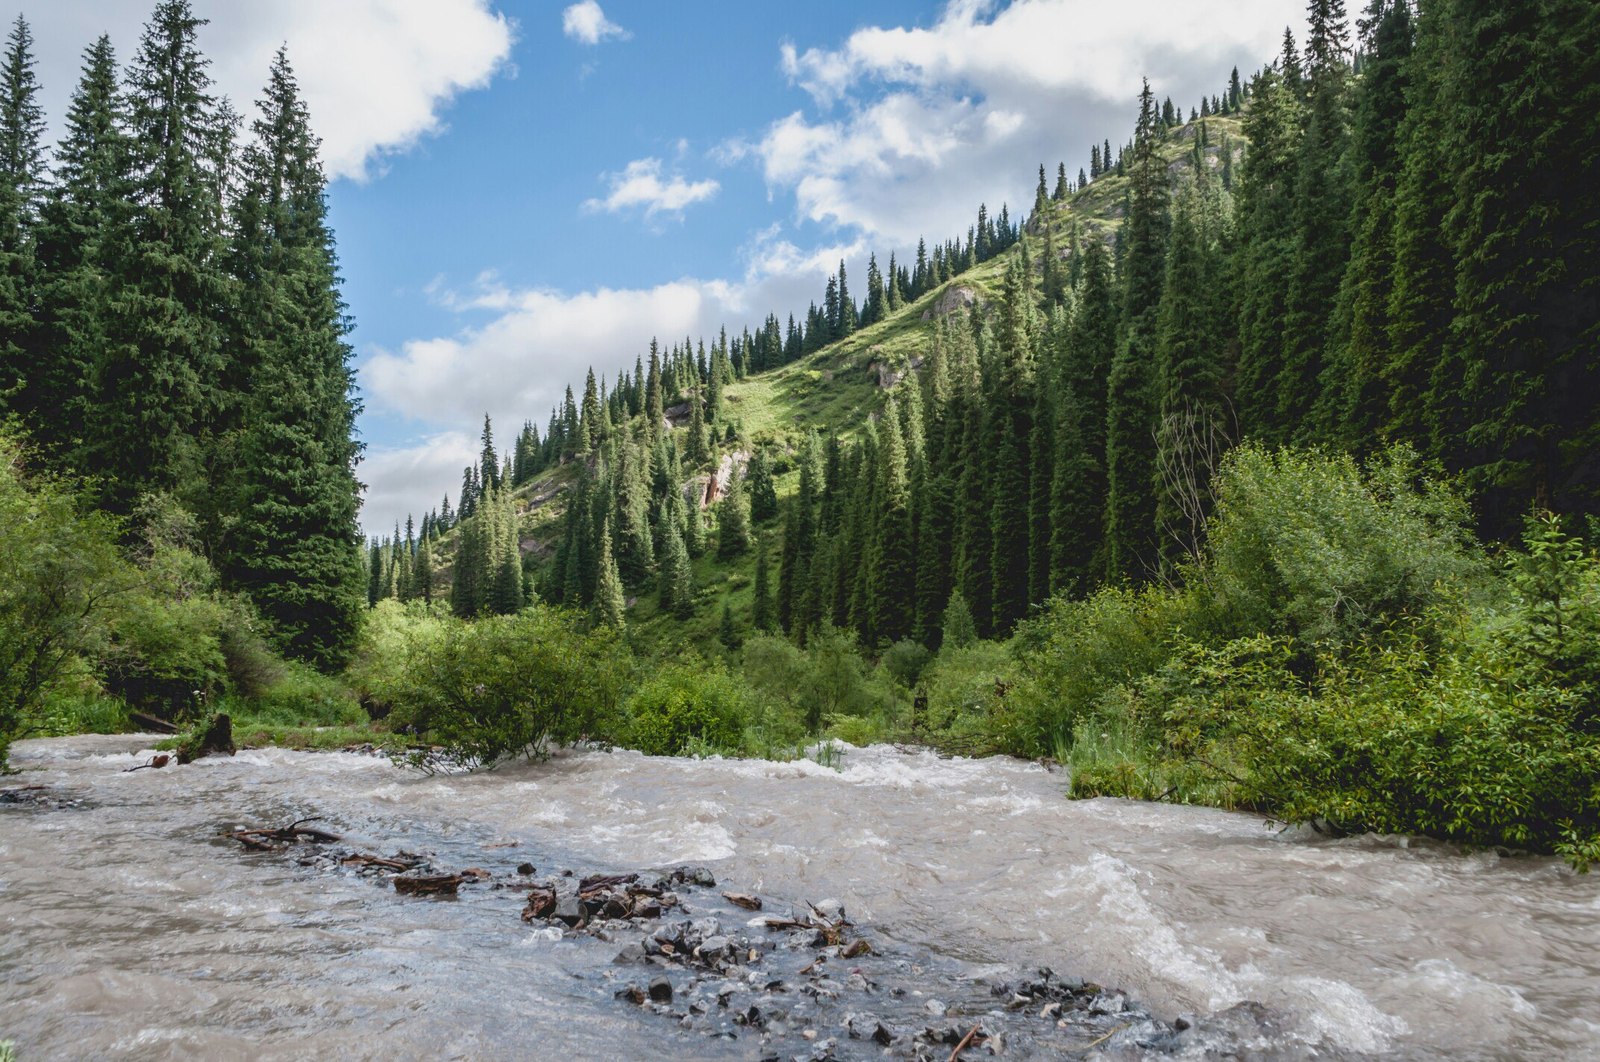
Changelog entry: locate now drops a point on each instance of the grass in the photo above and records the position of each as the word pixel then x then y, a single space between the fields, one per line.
pixel 833 390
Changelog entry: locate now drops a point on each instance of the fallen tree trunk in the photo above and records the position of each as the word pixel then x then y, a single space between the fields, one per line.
pixel 294 833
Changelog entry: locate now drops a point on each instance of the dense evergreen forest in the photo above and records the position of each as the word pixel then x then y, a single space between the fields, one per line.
pixel 1254 466
pixel 170 324
pixel 1356 248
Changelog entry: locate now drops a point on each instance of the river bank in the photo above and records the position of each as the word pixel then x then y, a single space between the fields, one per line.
pixel 140 930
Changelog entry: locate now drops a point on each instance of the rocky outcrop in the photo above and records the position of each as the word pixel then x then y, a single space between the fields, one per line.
pixel 714 488
pixel 953 298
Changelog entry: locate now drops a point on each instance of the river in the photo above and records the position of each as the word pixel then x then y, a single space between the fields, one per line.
pixel 130 927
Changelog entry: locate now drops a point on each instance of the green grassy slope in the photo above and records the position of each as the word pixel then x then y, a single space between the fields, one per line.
pixel 835 390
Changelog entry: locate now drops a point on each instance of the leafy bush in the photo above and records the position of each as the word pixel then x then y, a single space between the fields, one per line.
pixel 905 661
pixel 969 707
pixel 303 696
pixel 1342 655
pixel 826 679
pixel 60 576
pixel 1398 738
pixel 1075 654
pixel 688 705
pixel 1314 547
pixel 504 685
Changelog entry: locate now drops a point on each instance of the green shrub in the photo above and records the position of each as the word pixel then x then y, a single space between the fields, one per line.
pixel 1312 546
pixel 500 686
pixel 688 706
pixel 1077 653
pixel 905 661
pixel 1398 737
pixel 969 705
pixel 826 679
pixel 393 635
pixel 303 697
pixel 60 577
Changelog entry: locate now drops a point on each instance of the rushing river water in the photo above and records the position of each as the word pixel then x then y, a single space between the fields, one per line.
pixel 130 927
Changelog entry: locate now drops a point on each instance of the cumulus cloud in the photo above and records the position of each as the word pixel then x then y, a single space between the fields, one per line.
pixel 587 24
pixel 916 126
pixel 378 75
pixel 517 364
pixel 412 480
pixel 641 185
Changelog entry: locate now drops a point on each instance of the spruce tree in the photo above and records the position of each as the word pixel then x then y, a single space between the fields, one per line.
pixel 290 537
pixel 1191 375
pixel 609 608
pixel 763 613
pixel 1320 216
pixel 763 493
pixel 733 521
pixel 1353 391
pixel 892 557
pixel 959 630
pixel 1009 424
pixel 1423 273
pixel 1524 228
pixel 156 381
pixel 85 216
pixel 1266 248
pixel 677 577
pixel 21 177
pixel 1078 473
pixel 1131 400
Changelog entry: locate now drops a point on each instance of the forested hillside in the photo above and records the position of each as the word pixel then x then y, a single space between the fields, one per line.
pixel 1392 260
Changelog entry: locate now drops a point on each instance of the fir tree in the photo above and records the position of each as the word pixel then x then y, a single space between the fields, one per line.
pixel 1130 406
pixel 609 608
pixel 763 493
pixel 156 379
pixel 763 613
pixel 677 578
pixel 959 630
pixel 21 175
pixel 733 521
pixel 291 537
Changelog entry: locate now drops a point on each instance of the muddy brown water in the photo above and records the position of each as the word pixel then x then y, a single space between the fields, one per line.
pixel 129 928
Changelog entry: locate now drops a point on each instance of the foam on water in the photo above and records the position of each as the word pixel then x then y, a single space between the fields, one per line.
pixel 1367 944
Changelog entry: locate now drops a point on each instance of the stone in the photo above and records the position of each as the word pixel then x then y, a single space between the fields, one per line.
pixel 661 990
pixel 1108 1003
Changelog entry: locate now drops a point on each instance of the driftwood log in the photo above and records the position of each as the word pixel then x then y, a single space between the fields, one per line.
pixel 430 884
pixel 295 833
pixel 153 723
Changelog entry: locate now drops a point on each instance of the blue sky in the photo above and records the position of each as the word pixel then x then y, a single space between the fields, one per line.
pixel 521 189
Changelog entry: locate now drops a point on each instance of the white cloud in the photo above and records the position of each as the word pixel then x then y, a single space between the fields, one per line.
pixel 915 127
pixel 640 185
pixel 376 74
pixel 517 366
pixel 587 24
pixel 413 480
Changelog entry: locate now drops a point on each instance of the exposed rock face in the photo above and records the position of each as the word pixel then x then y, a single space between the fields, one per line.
pixel 677 416
pixel 887 377
pixel 714 488
pixel 954 298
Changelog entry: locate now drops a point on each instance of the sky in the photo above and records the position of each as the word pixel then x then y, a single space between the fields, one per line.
pixel 521 189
